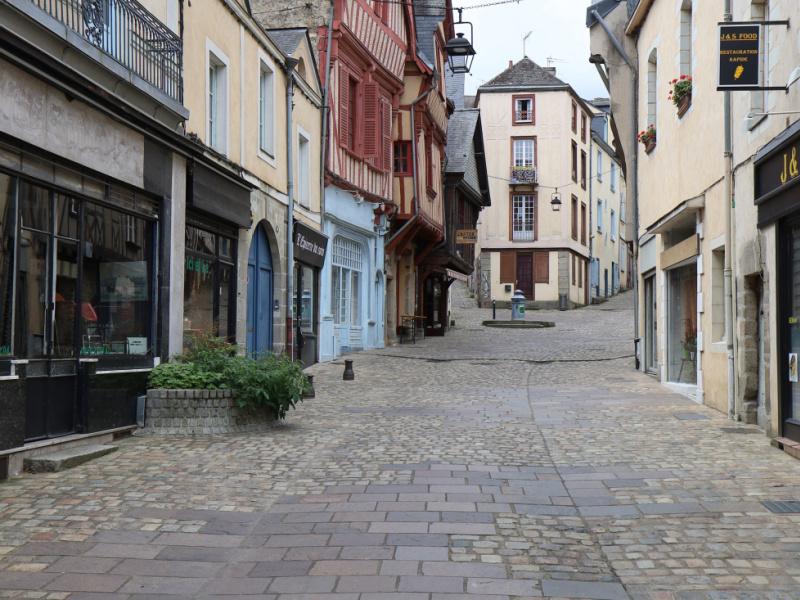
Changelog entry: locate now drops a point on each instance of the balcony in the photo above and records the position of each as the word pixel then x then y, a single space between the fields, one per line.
pixel 524 175
pixel 127 32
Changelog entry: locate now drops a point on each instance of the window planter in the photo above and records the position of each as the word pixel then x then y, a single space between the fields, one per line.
pixel 684 104
pixel 649 146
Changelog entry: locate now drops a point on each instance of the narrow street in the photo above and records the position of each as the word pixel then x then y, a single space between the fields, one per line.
pixel 487 465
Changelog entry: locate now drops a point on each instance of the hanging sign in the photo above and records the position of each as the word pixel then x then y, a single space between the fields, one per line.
pixel 466 236
pixel 309 245
pixel 739 57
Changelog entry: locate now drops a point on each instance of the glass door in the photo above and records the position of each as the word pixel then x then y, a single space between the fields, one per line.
pixel 650 325
pixel 790 273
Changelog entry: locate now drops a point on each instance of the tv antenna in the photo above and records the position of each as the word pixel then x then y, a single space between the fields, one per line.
pixel 524 40
pixel 551 60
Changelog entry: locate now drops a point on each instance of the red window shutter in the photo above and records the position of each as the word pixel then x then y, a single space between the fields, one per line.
pixel 371 122
pixel 387 133
pixel 541 267
pixel 344 106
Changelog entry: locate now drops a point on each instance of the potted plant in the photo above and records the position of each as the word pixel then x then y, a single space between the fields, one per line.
pixel 680 93
pixel 648 138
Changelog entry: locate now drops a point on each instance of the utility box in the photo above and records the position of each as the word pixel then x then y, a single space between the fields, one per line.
pixel 518 306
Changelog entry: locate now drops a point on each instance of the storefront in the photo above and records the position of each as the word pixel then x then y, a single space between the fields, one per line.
pixel 310 248
pixel 777 176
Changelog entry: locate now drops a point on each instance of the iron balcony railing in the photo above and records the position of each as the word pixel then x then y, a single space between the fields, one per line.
pixel 130 34
pixel 524 175
pixel 523 233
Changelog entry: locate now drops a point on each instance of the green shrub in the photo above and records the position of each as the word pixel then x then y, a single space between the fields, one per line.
pixel 184 376
pixel 272 383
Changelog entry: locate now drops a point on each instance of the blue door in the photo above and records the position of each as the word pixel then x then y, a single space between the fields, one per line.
pixel 259 295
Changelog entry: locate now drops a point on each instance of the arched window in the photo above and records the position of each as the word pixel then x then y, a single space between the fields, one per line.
pixel 652 89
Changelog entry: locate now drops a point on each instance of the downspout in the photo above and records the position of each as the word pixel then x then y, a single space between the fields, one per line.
pixel 634 179
pixel 414 175
pixel 728 272
pixel 590 233
pixel 325 114
pixel 289 66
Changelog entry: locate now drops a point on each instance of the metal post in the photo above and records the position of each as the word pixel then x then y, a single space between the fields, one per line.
pixel 291 63
pixel 728 272
pixel 494 310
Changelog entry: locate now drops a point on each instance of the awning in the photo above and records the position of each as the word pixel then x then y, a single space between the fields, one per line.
pixel 219 195
pixel 681 217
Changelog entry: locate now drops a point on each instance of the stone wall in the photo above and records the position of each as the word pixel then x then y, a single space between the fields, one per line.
pixel 190 412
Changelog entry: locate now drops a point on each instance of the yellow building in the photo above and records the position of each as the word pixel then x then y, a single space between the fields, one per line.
pixel 534 237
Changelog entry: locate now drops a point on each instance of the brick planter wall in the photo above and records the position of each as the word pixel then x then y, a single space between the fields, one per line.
pixel 188 412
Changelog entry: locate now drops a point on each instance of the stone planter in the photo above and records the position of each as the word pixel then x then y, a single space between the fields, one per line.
pixel 684 104
pixel 191 412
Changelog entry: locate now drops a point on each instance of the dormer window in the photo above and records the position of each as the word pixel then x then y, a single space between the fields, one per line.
pixel 523 110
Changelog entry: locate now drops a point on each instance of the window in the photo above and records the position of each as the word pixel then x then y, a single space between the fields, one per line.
pixel 580 273
pixel 686 37
pixel 524 152
pixel 347 268
pixel 208 288
pixel 523 109
pixel 7 235
pixel 718 294
pixel 304 170
pixel 523 218
pixel 574 216
pixel 652 90
pixel 600 216
pixel 574 117
pixel 612 220
pixel 583 127
pixel 429 168
pixel 574 162
pixel 600 166
pixel 217 134
pixel 583 223
pixel 760 11
pixel 402 158
pixel 613 182
pixel 574 271
pixel 352 98
pixel 348 110
pixel 622 206
pixel 266 110
pixel 583 169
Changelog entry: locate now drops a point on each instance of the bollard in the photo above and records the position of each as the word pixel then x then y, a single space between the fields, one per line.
pixel 348 374
pixel 309 392
pixel 494 310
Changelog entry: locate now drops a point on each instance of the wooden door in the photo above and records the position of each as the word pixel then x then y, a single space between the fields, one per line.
pixel 525 274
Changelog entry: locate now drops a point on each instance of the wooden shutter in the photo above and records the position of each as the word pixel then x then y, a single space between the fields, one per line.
pixel 372 116
pixel 541 267
pixel 508 266
pixel 344 107
pixel 386 129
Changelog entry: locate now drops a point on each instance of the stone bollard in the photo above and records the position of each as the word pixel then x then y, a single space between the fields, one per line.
pixel 348 374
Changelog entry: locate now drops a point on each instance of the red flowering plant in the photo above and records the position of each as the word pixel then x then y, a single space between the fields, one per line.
pixel 680 88
pixel 648 136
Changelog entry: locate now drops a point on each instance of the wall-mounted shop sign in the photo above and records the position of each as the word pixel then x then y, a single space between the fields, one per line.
pixel 309 246
pixel 466 236
pixel 777 176
pixel 780 169
pixel 739 56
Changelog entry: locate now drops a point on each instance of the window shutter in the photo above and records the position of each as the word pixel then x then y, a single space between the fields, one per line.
pixel 508 266
pixel 387 134
pixel 371 122
pixel 541 267
pixel 344 106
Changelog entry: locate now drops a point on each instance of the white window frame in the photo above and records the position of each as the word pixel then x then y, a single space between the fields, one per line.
pixel 613 182
pixel 267 146
pixel 518 111
pixel 599 165
pixel 348 258
pixel 600 216
pixel 523 218
pixel 303 178
pixel 219 119
pixel 612 224
pixel 522 154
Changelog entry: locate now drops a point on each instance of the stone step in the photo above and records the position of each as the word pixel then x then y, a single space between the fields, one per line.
pixel 66 458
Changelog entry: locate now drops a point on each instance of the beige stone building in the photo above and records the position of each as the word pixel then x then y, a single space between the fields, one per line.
pixel 537 140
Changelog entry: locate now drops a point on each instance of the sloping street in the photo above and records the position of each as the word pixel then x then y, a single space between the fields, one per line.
pixel 490 464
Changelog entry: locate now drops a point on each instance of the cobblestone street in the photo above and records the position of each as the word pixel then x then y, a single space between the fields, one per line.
pixel 490 464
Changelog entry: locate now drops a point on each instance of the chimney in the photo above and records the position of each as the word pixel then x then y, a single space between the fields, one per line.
pixel 551 70
pixel 510 63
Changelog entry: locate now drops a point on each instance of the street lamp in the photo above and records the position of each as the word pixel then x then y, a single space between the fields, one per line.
pixel 555 201
pixel 460 52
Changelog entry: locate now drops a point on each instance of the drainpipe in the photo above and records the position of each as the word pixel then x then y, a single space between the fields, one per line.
pixel 633 179
pixel 590 233
pixel 728 272
pixel 414 175
pixel 289 67
pixel 325 114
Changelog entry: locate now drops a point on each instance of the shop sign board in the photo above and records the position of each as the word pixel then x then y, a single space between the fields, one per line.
pixel 739 56
pixel 780 169
pixel 309 246
pixel 466 236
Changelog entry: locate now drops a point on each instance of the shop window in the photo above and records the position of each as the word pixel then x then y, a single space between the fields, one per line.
pixel 402 158
pixel 682 325
pixel 348 264
pixel 266 109
pixel 718 295
pixel 217 126
pixel 304 170
pixel 7 221
pixel 208 287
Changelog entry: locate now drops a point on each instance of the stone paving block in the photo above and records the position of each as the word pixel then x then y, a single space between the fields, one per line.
pixel 291 541
pixel 313 596
pixel 358 539
pixel 281 568
pixel 422 583
pixel 399 567
pixel 503 587
pixel 401 506
pixel 54 548
pixel 302 585
pixel 451 569
pixel 237 587
pixel 416 539
pixel 366 583
pixel 676 508
pixel 86 582
pixel 395 596
pixel 465 497
pixel 196 553
pixel 299 507
pixel 422 497
pixel 396 488
pixel 413 516
pixel 284 528
pixel 354 517
pixel 468 597
pixel 124 537
pixel 452 506
pixel 371 498
pixel 310 517
pixel 351 506
pixel 469 517
pixel 261 554
pixel 83 564
pixel 166 568
pixel 421 553
pixel 180 586
pixel 594 500
pixel 455 489
pixel 198 539
pixel 620 512
pixel 493 507
pixel 594 590
pixel 345 489
pixel 545 510
pixel 25 581
pixel 124 550
pixel 312 553
pixel 625 483
pixel 357 526
pixel 399 527
pixel 463 528
pixel 345 567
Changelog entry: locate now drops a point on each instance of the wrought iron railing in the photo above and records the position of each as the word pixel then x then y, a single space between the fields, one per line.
pixel 523 233
pixel 524 175
pixel 130 34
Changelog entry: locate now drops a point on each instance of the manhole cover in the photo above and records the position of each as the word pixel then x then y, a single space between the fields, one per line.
pixel 738 430
pixel 782 506
pixel 690 416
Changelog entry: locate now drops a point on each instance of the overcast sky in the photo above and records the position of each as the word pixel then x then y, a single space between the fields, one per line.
pixel 559 31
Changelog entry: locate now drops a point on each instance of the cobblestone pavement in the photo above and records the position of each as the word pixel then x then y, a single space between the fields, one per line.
pixel 486 465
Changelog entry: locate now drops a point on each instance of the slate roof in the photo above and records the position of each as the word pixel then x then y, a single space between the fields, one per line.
pixel 469 101
pixel 454 84
pixel 603 8
pixel 460 132
pixel 427 16
pixel 287 39
pixel 524 74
